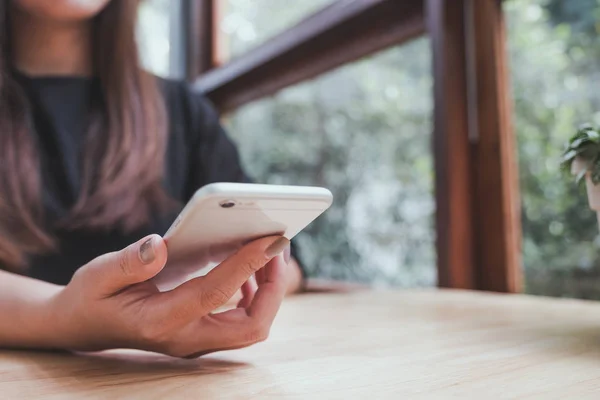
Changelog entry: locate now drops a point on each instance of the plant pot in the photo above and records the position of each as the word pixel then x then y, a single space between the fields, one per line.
pixel 593 193
pixel 578 165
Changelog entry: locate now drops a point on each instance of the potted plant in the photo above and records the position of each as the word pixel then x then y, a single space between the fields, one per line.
pixel 582 158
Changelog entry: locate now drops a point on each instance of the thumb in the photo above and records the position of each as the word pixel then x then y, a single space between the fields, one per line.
pixel 136 263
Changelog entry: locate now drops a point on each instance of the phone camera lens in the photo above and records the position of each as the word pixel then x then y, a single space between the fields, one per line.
pixel 227 204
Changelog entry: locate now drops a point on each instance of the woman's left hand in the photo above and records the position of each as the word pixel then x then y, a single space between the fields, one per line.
pixel 111 303
pixel 175 274
pixel 293 277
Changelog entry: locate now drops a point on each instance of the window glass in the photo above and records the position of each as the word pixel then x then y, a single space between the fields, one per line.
pixel 555 67
pixel 154 35
pixel 364 132
pixel 245 24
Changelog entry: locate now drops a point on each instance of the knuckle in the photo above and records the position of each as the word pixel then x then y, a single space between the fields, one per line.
pixel 181 314
pixel 80 274
pixel 257 335
pixel 155 336
pixel 91 271
pixel 251 266
pixel 124 262
pixel 214 297
pixel 148 333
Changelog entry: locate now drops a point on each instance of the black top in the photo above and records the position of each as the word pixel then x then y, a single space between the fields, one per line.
pixel 199 152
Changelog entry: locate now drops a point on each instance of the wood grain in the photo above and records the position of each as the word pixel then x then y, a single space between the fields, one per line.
pixel 495 167
pixel 455 212
pixel 199 24
pixel 418 345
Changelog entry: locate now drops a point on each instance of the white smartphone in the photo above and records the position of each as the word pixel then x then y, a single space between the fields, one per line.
pixel 221 217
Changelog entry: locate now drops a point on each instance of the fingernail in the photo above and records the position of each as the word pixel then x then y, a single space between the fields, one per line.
pixel 147 251
pixel 277 247
pixel 287 255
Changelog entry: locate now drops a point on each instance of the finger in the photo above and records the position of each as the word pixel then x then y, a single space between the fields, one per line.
pixel 136 263
pixel 270 294
pixel 238 327
pixel 204 294
pixel 205 352
pixel 217 332
pixel 248 291
pixel 260 276
pixel 287 254
pixel 214 332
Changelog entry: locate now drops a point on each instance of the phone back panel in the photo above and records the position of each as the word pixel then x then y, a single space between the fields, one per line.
pixel 206 231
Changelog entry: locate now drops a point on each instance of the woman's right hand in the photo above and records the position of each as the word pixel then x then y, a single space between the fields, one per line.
pixel 111 302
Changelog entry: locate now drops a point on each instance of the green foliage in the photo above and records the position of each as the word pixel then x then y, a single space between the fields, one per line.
pixel 363 131
pixel 580 15
pixel 585 147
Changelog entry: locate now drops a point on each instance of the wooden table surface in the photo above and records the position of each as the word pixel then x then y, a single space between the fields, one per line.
pixel 416 345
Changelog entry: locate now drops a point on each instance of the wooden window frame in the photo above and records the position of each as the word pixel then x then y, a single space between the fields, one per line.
pixel 477 193
pixel 477 218
pixel 340 33
pixel 200 24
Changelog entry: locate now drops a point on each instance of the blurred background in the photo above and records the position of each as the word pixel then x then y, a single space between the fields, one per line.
pixel 364 129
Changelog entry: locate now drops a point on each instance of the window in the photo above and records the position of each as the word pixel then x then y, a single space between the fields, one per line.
pixel 156 36
pixel 364 131
pixel 556 75
pixel 245 24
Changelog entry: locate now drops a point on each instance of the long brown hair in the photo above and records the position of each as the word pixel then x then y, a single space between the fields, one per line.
pixel 124 158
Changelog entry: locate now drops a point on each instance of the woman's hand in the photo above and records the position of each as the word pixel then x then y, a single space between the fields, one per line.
pixel 179 271
pixel 110 302
pixel 293 277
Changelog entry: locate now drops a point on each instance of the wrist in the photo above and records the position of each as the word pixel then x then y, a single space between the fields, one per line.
pixel 36 323
pixel 53 316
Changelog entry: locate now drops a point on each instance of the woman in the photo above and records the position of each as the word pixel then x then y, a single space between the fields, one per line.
pixel 95 156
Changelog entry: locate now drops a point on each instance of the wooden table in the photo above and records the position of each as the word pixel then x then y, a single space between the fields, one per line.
pixel 366 345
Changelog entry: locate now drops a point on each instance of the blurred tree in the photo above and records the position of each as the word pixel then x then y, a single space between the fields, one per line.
pixel 580 15
pixel 363 131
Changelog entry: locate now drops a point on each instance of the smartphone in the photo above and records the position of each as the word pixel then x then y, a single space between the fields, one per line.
pixel 222 217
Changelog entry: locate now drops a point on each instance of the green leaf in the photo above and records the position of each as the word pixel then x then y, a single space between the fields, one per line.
pixel 585 144
pixel 593 136
pixel 578 142
pixel 570 155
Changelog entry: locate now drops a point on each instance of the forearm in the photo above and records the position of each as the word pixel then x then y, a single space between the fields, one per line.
pixel 25 317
